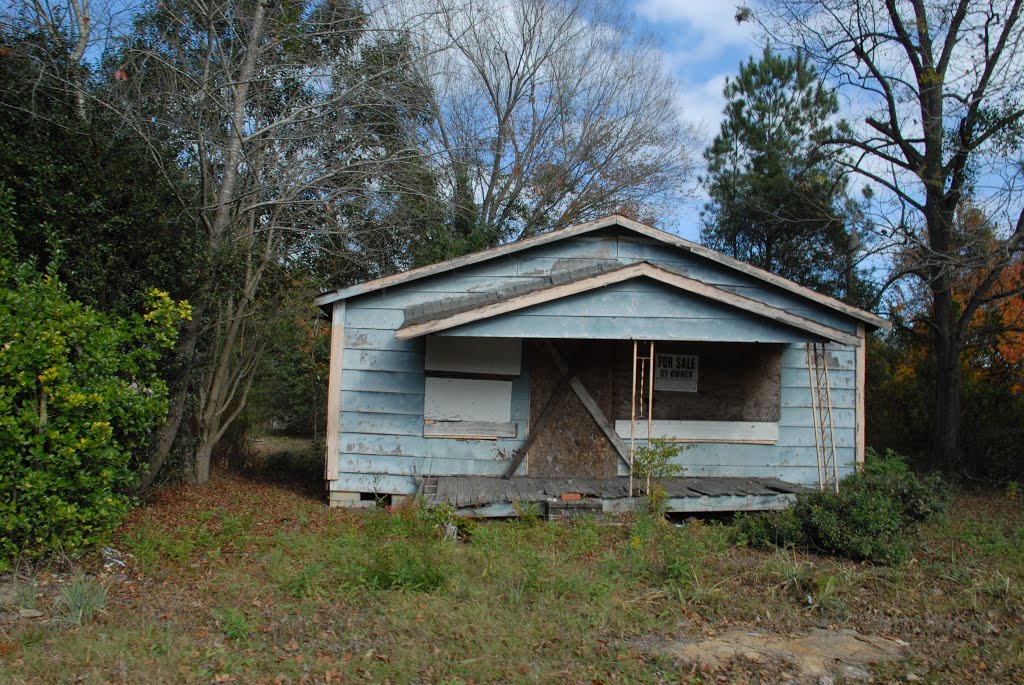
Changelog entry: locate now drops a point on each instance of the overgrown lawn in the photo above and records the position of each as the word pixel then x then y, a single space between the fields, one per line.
pixel 247 581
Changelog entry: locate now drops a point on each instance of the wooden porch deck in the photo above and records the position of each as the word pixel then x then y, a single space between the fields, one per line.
pixel 485 495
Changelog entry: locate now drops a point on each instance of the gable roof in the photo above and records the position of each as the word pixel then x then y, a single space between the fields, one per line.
pixel 442 315
pixel 589 227
pixel 449 306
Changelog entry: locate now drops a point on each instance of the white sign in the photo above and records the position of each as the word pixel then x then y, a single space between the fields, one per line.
pixel 675 372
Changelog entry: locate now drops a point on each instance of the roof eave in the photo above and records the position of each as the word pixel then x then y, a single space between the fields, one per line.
pixel 447 321
pixel 871 320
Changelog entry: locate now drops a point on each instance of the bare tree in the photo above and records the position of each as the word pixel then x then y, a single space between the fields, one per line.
pixel 285 121
pixel 79 26
pixel 937 88
pixel 546 112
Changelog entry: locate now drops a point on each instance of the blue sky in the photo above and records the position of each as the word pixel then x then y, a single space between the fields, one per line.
pixel 703 45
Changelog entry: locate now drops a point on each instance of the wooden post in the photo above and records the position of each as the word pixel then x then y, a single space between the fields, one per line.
pixel 650 413
pixel 632 423
pixel 334 390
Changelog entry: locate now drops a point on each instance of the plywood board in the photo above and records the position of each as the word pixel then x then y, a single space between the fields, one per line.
pixel 569 442
pixel 497 356
pixel 466 399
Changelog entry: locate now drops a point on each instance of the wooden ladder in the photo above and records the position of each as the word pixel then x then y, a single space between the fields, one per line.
pixel 427 488
pixel 821 410
pixel 643 370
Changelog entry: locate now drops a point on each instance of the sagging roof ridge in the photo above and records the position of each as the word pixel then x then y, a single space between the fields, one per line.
pixel 588 227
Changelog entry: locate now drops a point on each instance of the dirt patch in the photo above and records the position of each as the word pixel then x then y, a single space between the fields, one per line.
pixel 813 657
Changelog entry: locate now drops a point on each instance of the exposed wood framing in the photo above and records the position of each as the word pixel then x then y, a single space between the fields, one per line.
pixel 861 380
pixel 639 270
pixel 588 227
pixel 334 390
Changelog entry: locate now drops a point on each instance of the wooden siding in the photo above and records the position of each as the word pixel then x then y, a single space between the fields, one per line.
pixel 639 309
pixel 382 448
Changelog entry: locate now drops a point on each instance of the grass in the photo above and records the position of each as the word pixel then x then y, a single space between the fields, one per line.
pixel 246 582
pixel 80 601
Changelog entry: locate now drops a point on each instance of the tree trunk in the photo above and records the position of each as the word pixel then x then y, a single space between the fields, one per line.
pixel 946 422
pixel 201 470
pixel 168 433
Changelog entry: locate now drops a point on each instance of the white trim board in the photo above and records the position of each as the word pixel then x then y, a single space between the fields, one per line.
pixel 334 390
pixel 752 432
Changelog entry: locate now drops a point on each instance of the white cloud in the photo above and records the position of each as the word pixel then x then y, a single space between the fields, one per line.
pixel 712 22
pixel 701 103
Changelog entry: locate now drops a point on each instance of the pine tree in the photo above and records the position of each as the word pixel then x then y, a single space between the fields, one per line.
pixel 775 200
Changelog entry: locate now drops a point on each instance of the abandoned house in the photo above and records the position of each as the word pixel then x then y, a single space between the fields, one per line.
pixel 535 371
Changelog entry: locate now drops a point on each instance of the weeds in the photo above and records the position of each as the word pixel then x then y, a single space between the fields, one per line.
pixel 25 592
pixel 653 462
pixel 402 565
pixel 528 513
pixel 695 589
pixel 813 589
pixel 235 624
pixel 791 574
pixel 825 594
pixel 995 589
pixel 79 601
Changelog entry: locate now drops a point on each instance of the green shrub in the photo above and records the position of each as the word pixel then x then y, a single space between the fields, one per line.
pixel 870 518
pixel 774 529
pixel 79 394
pixel 857 524
pixel 654 462
pixel 919 498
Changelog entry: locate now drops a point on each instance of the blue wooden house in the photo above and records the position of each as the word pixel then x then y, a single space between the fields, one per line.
pixel 541 368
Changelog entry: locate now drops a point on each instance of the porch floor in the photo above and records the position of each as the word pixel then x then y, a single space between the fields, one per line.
pixel 471 492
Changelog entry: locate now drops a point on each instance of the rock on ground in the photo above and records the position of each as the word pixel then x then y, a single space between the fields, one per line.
pixel 812 657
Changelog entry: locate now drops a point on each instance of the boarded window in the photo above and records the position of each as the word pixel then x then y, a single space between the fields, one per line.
pixel 468 391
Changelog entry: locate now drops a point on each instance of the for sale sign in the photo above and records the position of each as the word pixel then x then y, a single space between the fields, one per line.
pixel 676 372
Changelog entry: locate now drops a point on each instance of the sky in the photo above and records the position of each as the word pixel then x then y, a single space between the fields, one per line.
pixel 702 45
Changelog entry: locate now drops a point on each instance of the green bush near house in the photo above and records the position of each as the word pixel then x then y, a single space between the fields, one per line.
pixel 871 517
pixel 79 395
